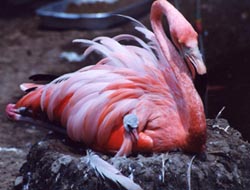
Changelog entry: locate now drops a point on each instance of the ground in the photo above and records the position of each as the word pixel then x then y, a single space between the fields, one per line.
pixel 58 163
pixel 27 49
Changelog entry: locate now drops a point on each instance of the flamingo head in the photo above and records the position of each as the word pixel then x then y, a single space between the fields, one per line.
pixel 187 43
pixel 130 123
pixel 183 35
pixel 193 57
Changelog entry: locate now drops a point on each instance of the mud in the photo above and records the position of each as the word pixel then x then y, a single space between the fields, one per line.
pixel 55 164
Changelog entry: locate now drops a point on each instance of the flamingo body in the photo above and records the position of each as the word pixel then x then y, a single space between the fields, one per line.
pixel 150 81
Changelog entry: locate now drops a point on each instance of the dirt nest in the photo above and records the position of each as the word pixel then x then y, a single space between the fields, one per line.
pixel 57 163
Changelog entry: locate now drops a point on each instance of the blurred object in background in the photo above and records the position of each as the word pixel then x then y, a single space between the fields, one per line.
pixel 89 14
pixel 71 56
pixel 79 2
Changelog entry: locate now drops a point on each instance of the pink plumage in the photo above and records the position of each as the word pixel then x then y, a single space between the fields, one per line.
pixel 136 98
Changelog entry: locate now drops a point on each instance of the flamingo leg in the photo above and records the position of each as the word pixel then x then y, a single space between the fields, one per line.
pixel 17 114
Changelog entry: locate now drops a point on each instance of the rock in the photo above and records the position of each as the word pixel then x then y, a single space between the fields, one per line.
pixel 56 163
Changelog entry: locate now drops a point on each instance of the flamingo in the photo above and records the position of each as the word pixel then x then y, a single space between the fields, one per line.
pixel 135 99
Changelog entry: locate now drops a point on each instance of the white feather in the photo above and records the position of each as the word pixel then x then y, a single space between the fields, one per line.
pixel 107 170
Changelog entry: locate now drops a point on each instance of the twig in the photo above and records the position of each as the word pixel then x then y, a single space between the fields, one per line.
pixel 221 128
pixel 189 172
pixel 220 112
pixel 216 125
pixel 164 158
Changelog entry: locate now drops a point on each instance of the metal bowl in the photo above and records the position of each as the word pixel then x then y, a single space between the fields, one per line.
pixel 53 16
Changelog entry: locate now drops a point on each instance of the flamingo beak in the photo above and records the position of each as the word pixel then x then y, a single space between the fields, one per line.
pixel 134 135
pixel 194 60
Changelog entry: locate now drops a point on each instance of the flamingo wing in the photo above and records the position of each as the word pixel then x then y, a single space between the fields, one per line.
pixel 149 80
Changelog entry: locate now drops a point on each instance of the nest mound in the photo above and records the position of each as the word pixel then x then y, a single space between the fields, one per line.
pixel 55 163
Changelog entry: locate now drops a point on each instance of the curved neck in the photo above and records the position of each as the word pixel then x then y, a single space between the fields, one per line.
pixel 160 8
pixel 194 122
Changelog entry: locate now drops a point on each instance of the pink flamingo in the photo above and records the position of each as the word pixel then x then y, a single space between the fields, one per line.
pixel 135 99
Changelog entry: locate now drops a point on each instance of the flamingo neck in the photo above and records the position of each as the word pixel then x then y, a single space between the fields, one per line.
pixel 160 8
pixel 194 122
